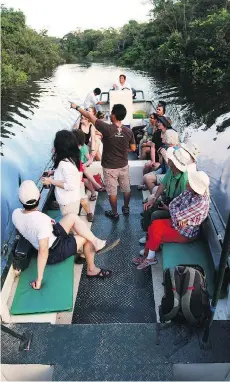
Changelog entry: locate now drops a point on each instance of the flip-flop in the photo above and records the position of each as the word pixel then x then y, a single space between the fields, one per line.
pixel 103 274
pixel 108 247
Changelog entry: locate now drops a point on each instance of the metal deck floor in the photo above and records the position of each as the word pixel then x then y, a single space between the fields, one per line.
pixel 126 297
pixel 113 352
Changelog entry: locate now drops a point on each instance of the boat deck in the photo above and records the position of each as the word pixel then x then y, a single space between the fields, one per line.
pixel 115 333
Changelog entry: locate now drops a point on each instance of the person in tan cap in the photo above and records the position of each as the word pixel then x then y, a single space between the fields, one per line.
pixel 51 239
pixel 187 213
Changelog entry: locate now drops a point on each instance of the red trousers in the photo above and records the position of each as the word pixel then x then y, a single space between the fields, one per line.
pixel 161 231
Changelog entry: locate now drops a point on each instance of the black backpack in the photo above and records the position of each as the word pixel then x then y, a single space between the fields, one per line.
pixel 186 299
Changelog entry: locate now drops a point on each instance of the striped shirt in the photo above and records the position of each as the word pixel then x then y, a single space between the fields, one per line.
pixel 191 207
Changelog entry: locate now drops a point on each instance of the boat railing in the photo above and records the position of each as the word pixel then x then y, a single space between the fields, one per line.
pixel 105 96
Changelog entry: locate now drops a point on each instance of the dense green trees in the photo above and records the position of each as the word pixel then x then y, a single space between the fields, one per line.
pixel 191 36
pixel 188 36
pixel 24 51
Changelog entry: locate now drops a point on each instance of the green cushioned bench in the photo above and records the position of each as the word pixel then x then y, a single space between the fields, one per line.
pixel 56 293
pixel 196 252
pixel 139 114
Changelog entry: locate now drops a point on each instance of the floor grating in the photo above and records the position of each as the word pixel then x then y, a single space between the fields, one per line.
pixel 127 297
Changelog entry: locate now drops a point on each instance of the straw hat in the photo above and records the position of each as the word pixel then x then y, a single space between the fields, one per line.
pixel 199 181
pixel 191 148
pixel 180 158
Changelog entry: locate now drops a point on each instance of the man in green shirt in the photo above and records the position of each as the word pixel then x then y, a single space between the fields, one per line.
pixel 172 185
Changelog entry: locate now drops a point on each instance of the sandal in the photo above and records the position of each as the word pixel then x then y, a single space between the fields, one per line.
pixel 142 187
pixel 125 210
pixel 90 217
pixel 103 274
pixel 101 189
pixel 108 247
pixel 111 215
pixel 93 198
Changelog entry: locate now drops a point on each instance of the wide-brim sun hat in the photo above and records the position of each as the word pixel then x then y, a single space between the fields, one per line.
pixel 28 193
pixel 192 149
pixel 180 158
pixel 199 181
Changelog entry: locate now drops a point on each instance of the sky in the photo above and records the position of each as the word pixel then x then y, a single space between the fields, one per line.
pixel 61 17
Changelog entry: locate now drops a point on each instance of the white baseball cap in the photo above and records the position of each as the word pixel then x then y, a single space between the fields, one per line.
pixel 198 181
pixel 28 193
pixel 180 158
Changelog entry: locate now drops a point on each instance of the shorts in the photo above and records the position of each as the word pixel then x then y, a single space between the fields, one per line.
pixel 63 247
pixel 70 208
pixel 114 177
pixel 159 177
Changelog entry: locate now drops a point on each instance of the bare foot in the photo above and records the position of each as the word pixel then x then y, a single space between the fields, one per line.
pixel 93 272
pixel 99 244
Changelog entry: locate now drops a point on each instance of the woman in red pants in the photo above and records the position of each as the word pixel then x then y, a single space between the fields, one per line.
pixel 187 212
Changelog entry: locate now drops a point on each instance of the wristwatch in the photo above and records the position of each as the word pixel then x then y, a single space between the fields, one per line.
pixel 77 107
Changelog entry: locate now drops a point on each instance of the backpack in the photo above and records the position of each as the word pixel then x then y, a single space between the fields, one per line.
pixel 185 299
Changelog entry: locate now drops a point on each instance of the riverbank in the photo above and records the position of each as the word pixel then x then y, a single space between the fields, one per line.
pixel 191 38
pixel 24 51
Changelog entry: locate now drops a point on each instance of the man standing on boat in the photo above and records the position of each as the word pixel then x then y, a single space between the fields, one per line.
pixel 122 84
pixel 118 140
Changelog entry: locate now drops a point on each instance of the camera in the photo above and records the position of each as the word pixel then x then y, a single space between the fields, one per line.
pixel 160 203
pixel 45 175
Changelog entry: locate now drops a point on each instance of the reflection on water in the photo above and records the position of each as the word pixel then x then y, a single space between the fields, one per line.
pixel 32 114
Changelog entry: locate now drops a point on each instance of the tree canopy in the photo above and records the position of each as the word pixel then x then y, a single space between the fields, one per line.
pixel 187 36
pixel 24 51
pixel 190 36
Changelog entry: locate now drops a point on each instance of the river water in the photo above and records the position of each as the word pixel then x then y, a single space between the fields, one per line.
pixel 32 114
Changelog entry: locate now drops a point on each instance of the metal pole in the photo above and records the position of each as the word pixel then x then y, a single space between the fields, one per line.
pixel 25 339
pixel 225 253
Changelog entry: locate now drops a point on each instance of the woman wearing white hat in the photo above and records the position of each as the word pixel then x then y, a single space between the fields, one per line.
pixel 187 212
pixel 172 185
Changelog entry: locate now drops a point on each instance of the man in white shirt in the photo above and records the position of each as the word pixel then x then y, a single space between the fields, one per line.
pixel 52 240
pixel 122 84
pixel 92 99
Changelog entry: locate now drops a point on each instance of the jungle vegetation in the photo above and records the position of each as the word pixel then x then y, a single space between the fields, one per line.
pixel 185 36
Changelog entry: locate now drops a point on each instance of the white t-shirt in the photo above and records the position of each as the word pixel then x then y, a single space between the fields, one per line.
pixel 34 226
pixel 125 85
pixel 91 100
pixel 68 173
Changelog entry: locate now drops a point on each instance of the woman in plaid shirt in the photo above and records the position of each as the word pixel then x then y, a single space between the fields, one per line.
pixel 187 212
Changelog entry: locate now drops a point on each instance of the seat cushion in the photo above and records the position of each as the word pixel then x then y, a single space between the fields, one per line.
pixel 193 253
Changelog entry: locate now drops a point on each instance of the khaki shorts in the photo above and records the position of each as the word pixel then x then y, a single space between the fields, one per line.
pixel 69 208
pixel 114 177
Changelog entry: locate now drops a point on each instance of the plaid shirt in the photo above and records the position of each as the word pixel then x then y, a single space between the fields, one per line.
pixel 191 207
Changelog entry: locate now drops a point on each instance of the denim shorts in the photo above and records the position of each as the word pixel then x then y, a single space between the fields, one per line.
pixel 64 246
